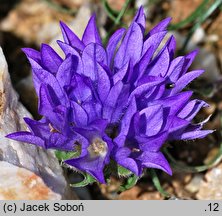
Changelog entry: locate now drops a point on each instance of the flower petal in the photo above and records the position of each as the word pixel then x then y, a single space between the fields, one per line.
pixel 122 157
pixel 143 88
pixel 27 137
pixel 151 119
pixel 103 86
pixel 125 123
pixel 70 37
pixel 174 103
pixel 185 80
pixel 161 26
pixel 50 59
pixel 110 104
pixel 140 19
pixel 190 135
pixel 188 60
pixel 112 44
pixel 131 47
pixel 160 64
pixel 155 160
pixel 171 45
pixel 67 70
pixel 91 56
pixel 33 54
pixel 92 166
pixel 153 41
pixel 70 50
pixel 121 104
pixel 152 143
pixel 175 69
pixel 80 116
pixel 47 103
pixel 39 128
pixel 61 142
pixel 91 34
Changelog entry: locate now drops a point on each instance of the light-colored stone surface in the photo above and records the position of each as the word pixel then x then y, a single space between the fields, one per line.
pixel 34 21
pixel 21 184
pixel 194 184
pixel 210 188
pixel 37 160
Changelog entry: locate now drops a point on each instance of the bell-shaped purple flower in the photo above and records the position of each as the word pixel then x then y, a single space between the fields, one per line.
pixel 118 102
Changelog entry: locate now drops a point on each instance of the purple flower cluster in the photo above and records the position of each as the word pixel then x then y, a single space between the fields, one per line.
pixel 120 102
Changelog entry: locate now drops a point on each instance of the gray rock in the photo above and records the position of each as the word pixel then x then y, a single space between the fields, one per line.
pixel 41 162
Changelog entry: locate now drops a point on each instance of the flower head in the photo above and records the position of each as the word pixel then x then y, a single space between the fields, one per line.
pixel 118 102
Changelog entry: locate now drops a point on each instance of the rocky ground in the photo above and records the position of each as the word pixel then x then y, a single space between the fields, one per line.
pixel 32 173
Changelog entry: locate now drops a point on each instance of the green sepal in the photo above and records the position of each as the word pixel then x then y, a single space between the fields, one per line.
pixel 88 179
pixel 123 172
pixel 129 183
pixel 65 155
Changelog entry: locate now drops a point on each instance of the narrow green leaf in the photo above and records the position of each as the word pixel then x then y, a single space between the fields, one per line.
pixel 194 169
pixel 209 12
pixel 117 19
pixel 123 10
pixel 110 12
pixel 194 16
pixel 59 8
pixel 157 184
